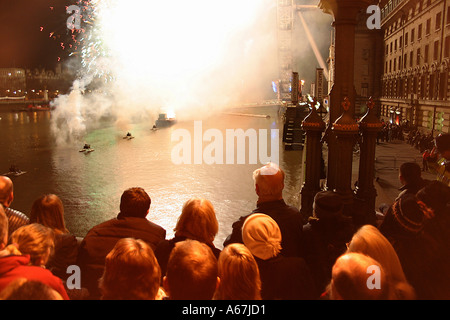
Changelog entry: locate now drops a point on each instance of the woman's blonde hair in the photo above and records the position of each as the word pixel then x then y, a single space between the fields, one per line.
pixel 370 241
pixel 35 240
pixel 131 272
pixel 198 221
pixel 238 273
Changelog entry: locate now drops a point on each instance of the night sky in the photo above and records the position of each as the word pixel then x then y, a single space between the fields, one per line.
pixel 22 43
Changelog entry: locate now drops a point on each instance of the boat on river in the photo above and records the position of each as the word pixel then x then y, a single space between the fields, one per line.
pixel 164 121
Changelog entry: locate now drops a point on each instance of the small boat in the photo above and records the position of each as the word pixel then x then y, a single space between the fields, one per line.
pixel 164 121
pixel 14 171
pixel 87 148
pixel 128 136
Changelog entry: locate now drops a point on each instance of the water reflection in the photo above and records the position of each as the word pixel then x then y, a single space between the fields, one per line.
pixel 90 185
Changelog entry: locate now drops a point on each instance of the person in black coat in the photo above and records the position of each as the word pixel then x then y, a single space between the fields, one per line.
pixel 325 236
pixel 410 176
pixel 282 278
pixel 131 222
pixel 269 185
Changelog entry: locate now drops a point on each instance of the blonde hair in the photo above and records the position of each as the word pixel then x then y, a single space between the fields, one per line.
pixel 239 274
pixel 131 272
pixel 370 241
pixel 48 210
pixel 349 278
pixel 198 221
pixel 35 240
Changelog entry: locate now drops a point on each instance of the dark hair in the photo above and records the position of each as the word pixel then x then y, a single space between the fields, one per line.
pixel 135 202
pixel 48 210
pixel 443 142
pixel 23 289
pixel 410 171
pixel 436 195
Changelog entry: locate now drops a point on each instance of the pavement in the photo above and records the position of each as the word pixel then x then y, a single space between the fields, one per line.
pixel 388 158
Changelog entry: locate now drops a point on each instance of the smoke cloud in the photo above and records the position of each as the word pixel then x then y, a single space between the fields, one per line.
pixel 194 58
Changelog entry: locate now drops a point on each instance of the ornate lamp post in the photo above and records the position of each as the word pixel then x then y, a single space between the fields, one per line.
pixel 313 125
pixel 345 14
pixel 365 192
pixel 345 129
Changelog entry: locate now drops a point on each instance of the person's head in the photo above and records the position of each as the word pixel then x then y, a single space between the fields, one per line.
pixel 436 195
pixel 3 229
pixel 356 276
pixel 198 221
pixel 48 210
pixel 369 240
pixel 327 206
pixel 410 173
pixel 442 142
pixel 262 236
pixel 135 202
pixel 35 240
pixel 23 289
pixel 238 273
pixel 6 191
pixel 192 272
pixel 131 272
pixel 406 217
pixel 269 182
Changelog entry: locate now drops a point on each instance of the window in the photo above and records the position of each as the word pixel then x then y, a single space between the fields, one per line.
pixel 411 55
pixel 448 15
pixel 406 38
pixel 395 45
pixel 425 53
pixel 419 31
pixel 401 41
pixel 412 35
pixel 447 47
pixel 405 65
pixel 418 57
pixel 390 49
pixel 436 50
pixel 390 65
pixel 428 28
pixel 438 20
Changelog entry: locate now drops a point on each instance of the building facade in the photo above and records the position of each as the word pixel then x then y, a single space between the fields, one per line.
pixel 415 79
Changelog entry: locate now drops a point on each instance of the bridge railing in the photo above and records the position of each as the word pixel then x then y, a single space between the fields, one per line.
pixel 394 162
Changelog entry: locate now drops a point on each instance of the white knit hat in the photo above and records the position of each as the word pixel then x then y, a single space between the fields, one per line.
pixel 262 236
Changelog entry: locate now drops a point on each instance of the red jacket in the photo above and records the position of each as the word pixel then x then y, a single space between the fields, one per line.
pixel 14 267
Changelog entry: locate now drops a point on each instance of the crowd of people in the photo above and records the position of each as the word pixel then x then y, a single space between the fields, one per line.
pixel 391 131
pixel 271 253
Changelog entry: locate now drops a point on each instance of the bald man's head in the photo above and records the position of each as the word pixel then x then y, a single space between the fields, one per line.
pixel 269 182
pixel 6 191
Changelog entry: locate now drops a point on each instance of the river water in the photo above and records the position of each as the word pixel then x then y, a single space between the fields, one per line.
pixel 90 185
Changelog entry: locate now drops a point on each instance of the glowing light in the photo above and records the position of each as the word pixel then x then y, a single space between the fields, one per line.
pixel 188 55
